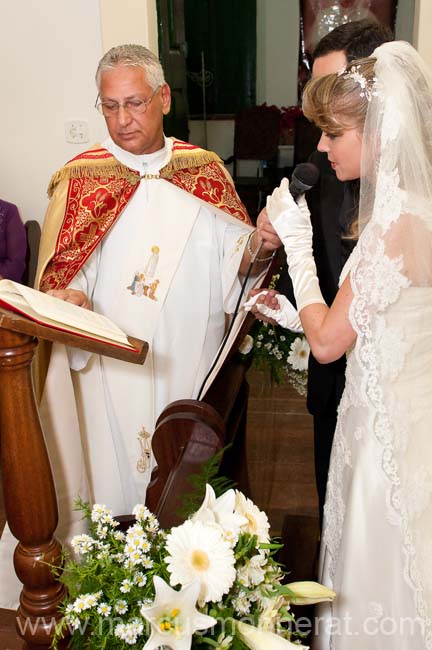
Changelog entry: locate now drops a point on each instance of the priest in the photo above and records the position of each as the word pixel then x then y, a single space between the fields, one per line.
pixel 149 231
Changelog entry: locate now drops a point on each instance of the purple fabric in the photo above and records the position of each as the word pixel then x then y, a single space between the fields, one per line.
pixel 13 242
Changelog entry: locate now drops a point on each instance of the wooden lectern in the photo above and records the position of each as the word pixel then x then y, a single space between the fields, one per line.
pixel 29 494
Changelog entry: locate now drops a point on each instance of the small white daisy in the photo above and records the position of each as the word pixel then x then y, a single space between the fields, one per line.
pixel 141 512
pixel 121 607
pixel 125 586
pixel 147 563
pixel 140 579
pixel 99 511
pixel 104 609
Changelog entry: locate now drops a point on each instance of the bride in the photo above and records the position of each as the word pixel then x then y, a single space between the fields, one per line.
pixel 376 549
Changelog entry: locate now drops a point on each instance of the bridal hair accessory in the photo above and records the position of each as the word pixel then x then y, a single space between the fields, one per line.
pixel 368 88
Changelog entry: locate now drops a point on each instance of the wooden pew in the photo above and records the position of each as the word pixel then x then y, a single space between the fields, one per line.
pixel 189 432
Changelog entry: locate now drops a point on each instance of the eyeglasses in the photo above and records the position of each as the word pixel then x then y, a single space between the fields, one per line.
pixel 133 106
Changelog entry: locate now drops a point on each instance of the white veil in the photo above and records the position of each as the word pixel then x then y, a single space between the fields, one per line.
pixel 391 278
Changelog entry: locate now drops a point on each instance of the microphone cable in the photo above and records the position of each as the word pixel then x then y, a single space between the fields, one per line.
pixel 235 314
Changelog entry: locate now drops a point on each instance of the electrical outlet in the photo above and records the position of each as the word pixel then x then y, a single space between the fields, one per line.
pixel 76 131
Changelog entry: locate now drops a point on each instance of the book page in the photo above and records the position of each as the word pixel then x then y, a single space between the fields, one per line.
pixel 230 338
pixel 224 350
pixel 50 310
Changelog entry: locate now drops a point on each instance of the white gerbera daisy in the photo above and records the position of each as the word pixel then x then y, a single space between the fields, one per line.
pixel 257 522
pixel 198 553
pixel 299 354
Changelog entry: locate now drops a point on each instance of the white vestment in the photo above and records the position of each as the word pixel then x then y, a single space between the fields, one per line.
pixel 167 273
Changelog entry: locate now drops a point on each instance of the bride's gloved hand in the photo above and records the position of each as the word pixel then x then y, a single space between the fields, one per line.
pixel 274 306
pixel 292 223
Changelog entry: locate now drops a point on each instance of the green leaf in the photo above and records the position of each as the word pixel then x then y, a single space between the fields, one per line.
pixel 208 474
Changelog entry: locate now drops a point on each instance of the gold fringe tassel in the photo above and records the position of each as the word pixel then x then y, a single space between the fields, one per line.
pixel 188 159
pixel 86 169
pixel 95 170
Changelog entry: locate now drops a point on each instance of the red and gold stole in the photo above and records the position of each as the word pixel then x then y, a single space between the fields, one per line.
pixel 89 193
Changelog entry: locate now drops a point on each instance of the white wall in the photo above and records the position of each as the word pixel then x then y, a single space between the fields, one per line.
pixel 49 51
pixel 129 21
pixel 277 51
pixel 423 21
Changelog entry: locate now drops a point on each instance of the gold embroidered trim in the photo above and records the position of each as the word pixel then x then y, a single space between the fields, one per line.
pixel 188 159
pixel 82 169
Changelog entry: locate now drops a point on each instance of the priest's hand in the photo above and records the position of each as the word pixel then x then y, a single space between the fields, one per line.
pixel 71 295
pixel 260 298
pixel 261 247
pixel 266 233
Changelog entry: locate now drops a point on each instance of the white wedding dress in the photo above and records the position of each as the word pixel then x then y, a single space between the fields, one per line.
pixel 376 546
pixel 376 550
pixel 377 537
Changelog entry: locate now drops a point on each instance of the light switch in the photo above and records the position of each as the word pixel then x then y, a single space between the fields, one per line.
pixel 76 131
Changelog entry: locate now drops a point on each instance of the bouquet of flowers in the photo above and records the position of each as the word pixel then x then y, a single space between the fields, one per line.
pixel 284 352
pixel 211 581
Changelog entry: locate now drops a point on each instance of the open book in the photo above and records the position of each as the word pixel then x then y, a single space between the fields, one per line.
pixel 64 316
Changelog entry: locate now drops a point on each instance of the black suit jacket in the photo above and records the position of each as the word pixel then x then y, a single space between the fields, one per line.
pixel 333 207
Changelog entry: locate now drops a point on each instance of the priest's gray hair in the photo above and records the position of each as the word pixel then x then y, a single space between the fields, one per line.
pixel 135 56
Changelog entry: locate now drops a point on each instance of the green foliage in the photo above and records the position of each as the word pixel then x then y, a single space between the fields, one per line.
pixel 105 575
pixel 208 475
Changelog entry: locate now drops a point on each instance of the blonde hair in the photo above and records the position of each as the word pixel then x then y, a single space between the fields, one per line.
pixel 339 101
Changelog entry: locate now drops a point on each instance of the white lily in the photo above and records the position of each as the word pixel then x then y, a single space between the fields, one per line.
pixel 309 593
pixel 173 616
pixel 257 639
pixel 221 511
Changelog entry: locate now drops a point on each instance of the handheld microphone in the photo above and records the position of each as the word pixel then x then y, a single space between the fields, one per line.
pixel 304 177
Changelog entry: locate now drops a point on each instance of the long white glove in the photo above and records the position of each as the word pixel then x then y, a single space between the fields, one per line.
pixel 292 223
pixel 286 316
